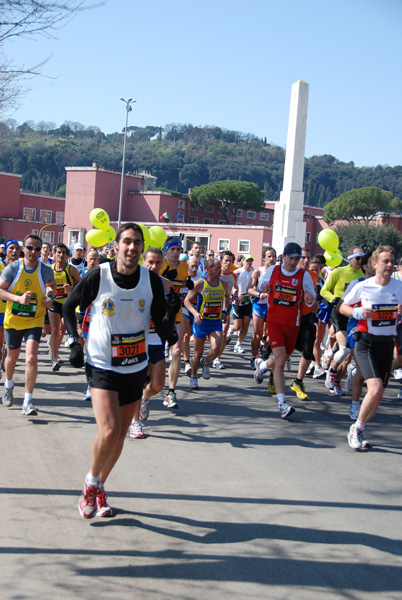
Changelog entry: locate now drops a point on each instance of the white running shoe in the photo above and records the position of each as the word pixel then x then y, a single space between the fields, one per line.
pixel 238 348
pixel 206 371
pixel 349 378
pixel 354 411
pixel 187 369
pixel 326 360
pixel 136 430
pixel 258 376
pixel 338 391
pixel 355 437
pixel 287 365
pixel 397 374
pixel 286 410
pixel 170 400
pixel 330 380
pixel 8 396
pixel 28 409
pixel 87 397
pixel 193 383
pixel 318 372
pixel 217 364
pixel 310 370
pixel 144 409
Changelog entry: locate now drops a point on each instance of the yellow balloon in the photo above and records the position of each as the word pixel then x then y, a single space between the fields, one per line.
pixel 333 259
pixel 146 234
pixel 99 218
pixel 111 233
pixel 328 240
pixel 158 236
pixel 97 238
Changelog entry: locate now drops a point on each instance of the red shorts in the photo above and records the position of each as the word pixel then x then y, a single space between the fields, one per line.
pixel 282 336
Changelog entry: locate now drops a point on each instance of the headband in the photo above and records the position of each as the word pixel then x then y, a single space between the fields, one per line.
pixel 355 255
pixel 171 244
pixel 9 242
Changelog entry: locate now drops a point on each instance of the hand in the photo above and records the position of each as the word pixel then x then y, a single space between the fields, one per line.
pixel 173 303
pixel 367 312
pixel 25 298
pixel 197 319
pixel 76 356
pixel 309 298
pixel 171 275
pixel 47 302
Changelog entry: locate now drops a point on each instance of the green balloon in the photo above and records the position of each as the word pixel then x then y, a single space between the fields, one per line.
pixel 97 238
pixel 328 240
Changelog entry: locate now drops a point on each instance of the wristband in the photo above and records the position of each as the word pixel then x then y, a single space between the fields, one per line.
pixel 358 313
pixel 72 340
pixel 224 311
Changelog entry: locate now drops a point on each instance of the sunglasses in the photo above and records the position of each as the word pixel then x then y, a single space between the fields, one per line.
pixel 358 257
pixel 36 248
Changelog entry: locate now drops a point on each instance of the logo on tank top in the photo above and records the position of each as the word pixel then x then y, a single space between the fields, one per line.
pixel 295 282
pixel 141 306
pixel 108 308
pixel 28 283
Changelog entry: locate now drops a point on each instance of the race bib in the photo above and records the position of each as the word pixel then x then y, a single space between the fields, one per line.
pixel 60 293
pixel 128 349
pixel 284 295
pixel 212 310
pixel 24 310
pixel 383 315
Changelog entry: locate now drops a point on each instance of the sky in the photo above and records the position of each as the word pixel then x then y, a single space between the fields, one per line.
pixel 230 64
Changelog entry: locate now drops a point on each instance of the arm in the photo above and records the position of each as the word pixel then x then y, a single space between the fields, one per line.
pixel 309 289
pixel 190 296
pixel 226 302
pixel 326 290
pixel 253 283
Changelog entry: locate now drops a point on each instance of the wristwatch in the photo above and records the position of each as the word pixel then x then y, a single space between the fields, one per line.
pixel 72 340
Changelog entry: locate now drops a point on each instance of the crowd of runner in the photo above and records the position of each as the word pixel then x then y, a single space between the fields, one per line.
pixel 128 312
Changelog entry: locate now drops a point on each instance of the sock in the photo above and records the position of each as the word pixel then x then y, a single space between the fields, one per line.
pixel 333 371
pixel 27 398
pixel 360 424
pixel 91 480
pixel 281 399
pixel 298 381
pixel 263 367
pixel 9 383
pixel 171 391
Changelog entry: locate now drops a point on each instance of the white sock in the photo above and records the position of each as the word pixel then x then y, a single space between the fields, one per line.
pixel 91 480
pixel 281 399
pixel 27 398
pixel 9 383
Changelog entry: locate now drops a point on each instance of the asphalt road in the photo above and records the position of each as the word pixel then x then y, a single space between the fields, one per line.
pixel 222 499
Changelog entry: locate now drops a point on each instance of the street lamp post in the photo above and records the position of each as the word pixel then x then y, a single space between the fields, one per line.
pixel 128 108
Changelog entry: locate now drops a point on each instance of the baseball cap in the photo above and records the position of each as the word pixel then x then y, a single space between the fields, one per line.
pixel 248 257
pixel 78 246
pixel 292 249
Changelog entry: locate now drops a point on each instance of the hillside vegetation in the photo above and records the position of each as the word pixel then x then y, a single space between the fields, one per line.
pixel 180 156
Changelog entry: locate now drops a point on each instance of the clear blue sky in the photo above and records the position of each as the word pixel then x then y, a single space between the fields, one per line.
pixel 231 64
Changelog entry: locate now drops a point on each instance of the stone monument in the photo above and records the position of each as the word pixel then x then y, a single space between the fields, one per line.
pixel 289 225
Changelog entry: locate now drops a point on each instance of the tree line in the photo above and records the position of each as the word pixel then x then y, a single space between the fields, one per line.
pixel 181 156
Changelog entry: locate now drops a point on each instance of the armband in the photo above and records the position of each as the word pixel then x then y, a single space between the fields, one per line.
pixel 358 313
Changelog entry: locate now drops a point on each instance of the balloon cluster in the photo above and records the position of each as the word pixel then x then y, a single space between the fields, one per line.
pixel 104 234
pixel 329 241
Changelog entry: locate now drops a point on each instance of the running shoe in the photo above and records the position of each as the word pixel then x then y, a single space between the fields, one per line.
pixel 299 390
pixel 338 391
pixel 87 503
pixel 228 337
pixel 28 410
pixel 8 396
pixel 238 348
pixel 355 437
pixel 349 378
pixel 318 372
pixel 206 372
pixel 170 400
pixel 187 369
pixel 397 374
pixel 287 365
pixel 135 430
pixel 217 364
pixel 271 385
pixel 252 361
pixel 258 376
pixel 193 383
pixel 144 409
pixel 87 397
pixel 330 380
pixel 310 370
pixel 354 411
pixel 285 410
pixel 55 365
pixel 400 394
pixel 102 507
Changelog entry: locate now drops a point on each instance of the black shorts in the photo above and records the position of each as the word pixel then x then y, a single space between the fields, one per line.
pixel 374 355
pixel 306 337
pixel 57 308
pixel 398 338
pixel 241 310
pixel 340 322
pixel 128 385
pixel 14 337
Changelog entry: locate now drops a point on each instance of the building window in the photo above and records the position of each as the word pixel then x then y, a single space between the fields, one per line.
pixel 244 246
pixel 308 237
pixel 181 204
pixel 239 212
pixel 209 209
pixel 46 216
pixel 59 217
pixel 35 231
pixel 264 217
pixel 29 214
pixel 48 236
pixel 222 223
pixel 251 214
pixel 196 207
pixel 223 245
pixel 193 219
pixel 208 221
pixel 60 237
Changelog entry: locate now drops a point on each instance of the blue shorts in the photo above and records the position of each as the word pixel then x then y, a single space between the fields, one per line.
pixel 260 310
pixel 206 327
pixel 2 319
pixel 324 312
pixel 188 315
pixel 156 353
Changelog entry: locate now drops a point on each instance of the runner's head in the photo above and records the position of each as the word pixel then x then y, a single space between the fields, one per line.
pixel 291 256
pixel 172 250
pixel 153 259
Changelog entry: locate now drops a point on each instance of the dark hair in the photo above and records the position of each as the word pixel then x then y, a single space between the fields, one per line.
pixel 269 248
pixel 61 245
pixel 306 250
pixel 321 258
pixel 209 263
pixel 227 253
pixel 365 260
pixel 32 236
pixel 125 227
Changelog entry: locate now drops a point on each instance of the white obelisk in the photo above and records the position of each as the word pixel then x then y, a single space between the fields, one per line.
pixel 288 217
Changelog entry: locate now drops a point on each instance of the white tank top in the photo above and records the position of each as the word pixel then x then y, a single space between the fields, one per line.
pixel 118 334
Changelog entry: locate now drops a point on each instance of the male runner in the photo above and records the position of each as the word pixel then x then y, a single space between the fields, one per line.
pixel 376 303
pixel 28 286
pixel 213 298
pixel 241 307
pixel 123 297
pixel 77 259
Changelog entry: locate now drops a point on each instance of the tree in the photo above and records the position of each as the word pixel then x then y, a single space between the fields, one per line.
pixel 23 18
pixel 368 237
pixel 361 204
pixel 230 196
